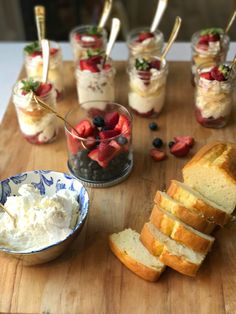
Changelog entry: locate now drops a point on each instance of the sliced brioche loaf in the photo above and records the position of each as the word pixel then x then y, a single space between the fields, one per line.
pixel 212 172
pixel 179 231
pixel 170 252
pixel 188 215
pixel 191 198
pixel 131 252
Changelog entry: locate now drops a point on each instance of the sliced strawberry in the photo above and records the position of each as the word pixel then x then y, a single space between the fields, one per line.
pixel 94 156
pixel 111 119
pixel 90 142
pixel 36 54
pixel 53 51
pixel 189 140
pixel 213 37
pixel 108 134
pixel 84 128
pixel 180 149
pixel 157 154
pixel 78 36
pixel 155 64
pixel 217 75
pixel 116 145
pixel 73 142
pixel 144 75
pixel 43 89
pixel 145 35
pixel 105 152
pixel 93 112
pixel 207 76
pixel 203 40
pixel 123 125
pixel 85 64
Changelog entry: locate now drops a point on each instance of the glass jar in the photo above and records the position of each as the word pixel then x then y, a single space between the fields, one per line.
pixel 34 67
pixel 151 45
pixel 213 98
pixel 37 125
pixel 147 88
pixel 203 53
pixel 99 156
pixel 82 39
pixel 96 86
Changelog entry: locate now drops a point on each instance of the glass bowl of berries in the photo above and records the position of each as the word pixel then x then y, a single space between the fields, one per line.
pixel 215 83
pixel 208 45
pixel 141 41
pixel 99 143
pixel 147 85
pixel 87 37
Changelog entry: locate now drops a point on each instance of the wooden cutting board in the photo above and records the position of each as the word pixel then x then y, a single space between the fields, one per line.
pixel 88 278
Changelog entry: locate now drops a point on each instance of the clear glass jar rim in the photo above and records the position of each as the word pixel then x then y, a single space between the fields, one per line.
pixel 128 114
pixel 79 28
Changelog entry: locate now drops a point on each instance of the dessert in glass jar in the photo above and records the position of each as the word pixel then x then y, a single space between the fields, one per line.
pixel 208 45
pixel 99 144
pixel 34 64
pixel 37 125
pixel 214 94
pixel 147 85
pixel 87 37
pixel 95 80
pixel 141 41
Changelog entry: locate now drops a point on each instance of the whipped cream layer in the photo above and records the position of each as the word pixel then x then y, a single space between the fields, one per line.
pixel 95 86
pixel 149 45
pixel 147 96
pixel 213 98
pixel 40 220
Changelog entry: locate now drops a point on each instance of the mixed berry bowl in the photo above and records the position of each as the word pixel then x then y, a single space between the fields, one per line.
pixel 99 142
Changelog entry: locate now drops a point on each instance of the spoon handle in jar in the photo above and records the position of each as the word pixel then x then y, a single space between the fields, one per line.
pixel 39 12
pixel 231 20
pixel 161 6
pixel 115 27
pixel 173 36
pixel 105 13
pixel 46 59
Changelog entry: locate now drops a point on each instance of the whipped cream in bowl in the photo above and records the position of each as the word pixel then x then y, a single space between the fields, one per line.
pixel 49 210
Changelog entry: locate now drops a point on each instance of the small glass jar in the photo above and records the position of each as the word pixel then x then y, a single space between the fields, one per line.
pixel 34 67
pixel 203 53
pixel 147 89
pixel 96 160
pixel 150 46
pixel 96 86
pixel 82 40
pixel 37 125
pixel 213 99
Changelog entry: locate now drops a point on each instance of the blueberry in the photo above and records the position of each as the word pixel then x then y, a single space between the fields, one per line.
pixel 98 121
pixel 122 140
pixel 171 143
pixel 153 126
pixel 157 142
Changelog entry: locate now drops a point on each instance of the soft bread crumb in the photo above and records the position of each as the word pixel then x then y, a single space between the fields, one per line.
pixel 128 241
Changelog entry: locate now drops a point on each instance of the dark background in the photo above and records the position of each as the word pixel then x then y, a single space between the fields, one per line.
pixel 17 16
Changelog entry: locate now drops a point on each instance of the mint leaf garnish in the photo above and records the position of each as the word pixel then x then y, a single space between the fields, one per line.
pixel 30 85
pixel 142 64
pixel 31 48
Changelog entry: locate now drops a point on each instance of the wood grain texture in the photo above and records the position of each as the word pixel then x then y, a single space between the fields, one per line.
pixel 88 278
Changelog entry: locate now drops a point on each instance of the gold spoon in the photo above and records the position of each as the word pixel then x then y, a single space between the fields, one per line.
pixel 161 6
pixel 9 214
pixel 115 27
pixel 39 12
pixel 172 38
pixel 105 13
pixel 231 20
pixel 46 59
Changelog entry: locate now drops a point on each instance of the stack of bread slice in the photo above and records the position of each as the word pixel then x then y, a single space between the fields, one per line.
pixel 178 231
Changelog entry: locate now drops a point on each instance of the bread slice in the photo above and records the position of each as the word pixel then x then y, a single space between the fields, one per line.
pixel 191 198
pixel 212 172
pixel 170 252
pixel 131 252
pixel 188 215
pixel 179 231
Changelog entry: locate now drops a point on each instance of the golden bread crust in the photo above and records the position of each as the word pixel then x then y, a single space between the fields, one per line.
pixel 138 268
pixel 190 217
pixel 215 215
pixel 179 232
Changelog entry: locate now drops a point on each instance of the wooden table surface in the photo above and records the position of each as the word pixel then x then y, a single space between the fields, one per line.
pixel 88 278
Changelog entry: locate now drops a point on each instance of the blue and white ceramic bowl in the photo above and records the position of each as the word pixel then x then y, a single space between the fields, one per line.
pixel 48 183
